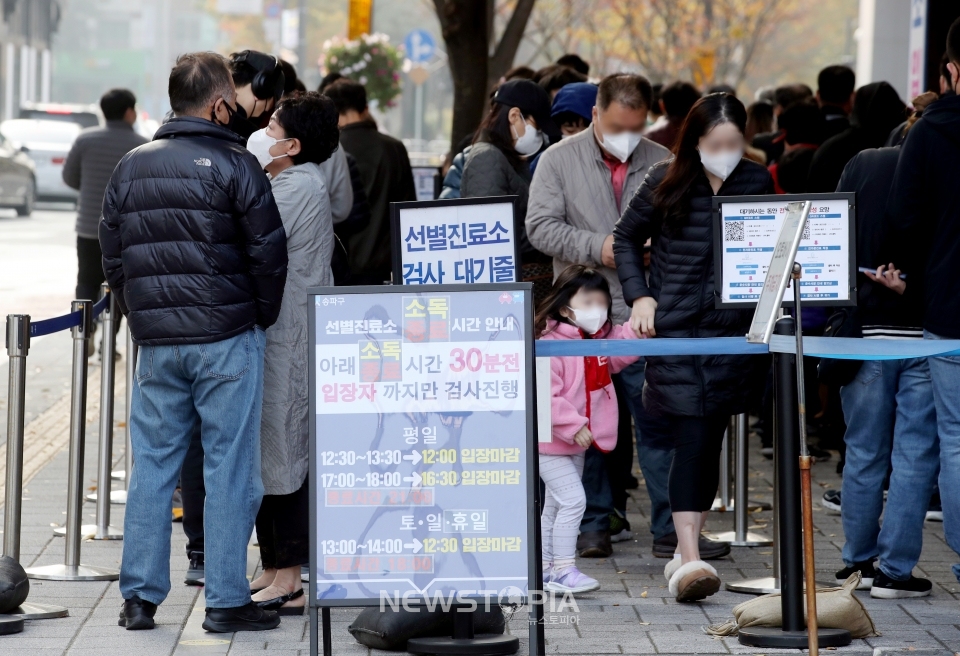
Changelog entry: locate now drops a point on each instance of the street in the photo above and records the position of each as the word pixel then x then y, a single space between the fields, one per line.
pixel 38 262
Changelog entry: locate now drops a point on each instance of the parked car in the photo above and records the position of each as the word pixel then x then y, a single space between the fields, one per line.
pixel 47 144
pixel 18 187
pixel 86 116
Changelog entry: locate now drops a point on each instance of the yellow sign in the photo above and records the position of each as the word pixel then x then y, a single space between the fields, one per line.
pixel 703 66
pixel 360 19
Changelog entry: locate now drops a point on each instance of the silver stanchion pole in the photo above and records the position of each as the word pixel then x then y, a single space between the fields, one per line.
pixel 131 368
pixel 740 536
pixel 108 348
pixel 71 569
pixel 132 351
pixel 18 347
pixel 102 529
pixel 723 501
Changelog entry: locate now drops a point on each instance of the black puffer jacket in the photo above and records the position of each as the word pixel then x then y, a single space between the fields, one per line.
pixel 192 240
pixel 681 281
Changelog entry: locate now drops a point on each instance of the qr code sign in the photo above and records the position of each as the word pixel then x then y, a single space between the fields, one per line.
pixel 806 230
pixel 733 231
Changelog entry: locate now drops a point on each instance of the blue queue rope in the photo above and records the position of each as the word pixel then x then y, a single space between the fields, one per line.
pixel 65 322
pixel 837 348
pixel 55 325
pixel 100 306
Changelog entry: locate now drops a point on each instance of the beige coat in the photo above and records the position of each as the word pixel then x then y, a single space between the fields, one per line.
pixel 572 208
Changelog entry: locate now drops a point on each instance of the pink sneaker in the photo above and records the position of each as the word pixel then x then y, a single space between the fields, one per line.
pixel 571 580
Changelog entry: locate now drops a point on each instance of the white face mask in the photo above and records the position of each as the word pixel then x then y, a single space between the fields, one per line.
pixel 721 164
pixel 589 320
pixel 621 145
pixel 530 142
pixel 260 144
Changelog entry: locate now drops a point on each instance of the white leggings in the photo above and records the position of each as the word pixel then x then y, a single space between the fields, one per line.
pixel 563 508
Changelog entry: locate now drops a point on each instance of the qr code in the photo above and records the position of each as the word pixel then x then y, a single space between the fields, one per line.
pixel 733 231
pixel 806 230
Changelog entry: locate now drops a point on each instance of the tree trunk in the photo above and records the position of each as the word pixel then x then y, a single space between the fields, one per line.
pixel 466 26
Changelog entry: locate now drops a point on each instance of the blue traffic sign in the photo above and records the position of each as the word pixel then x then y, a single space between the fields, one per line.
pixel 419 45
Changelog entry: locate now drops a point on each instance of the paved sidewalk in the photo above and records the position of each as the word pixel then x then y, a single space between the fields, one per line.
pixel 632 613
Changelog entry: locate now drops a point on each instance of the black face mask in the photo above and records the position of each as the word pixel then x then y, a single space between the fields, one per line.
pixel 238 122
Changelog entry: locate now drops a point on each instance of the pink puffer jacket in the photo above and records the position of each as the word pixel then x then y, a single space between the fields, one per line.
pixel 582 391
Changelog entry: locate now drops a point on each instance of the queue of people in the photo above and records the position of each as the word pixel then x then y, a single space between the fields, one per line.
pixel 254 190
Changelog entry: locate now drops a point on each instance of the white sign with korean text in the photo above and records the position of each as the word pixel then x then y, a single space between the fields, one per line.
pixel 750 234
pixel 454 243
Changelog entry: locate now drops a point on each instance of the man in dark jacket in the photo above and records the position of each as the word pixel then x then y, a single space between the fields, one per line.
pixel 835 85
pixel 195 251
pixel 387 177
pixel 877 110
pixel 889 410
pixel 924 231
pixel 89 164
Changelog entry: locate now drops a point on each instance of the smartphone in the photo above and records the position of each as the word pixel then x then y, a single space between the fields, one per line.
pixel 903 276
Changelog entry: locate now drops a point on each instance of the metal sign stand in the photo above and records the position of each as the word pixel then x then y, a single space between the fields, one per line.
pixel 797 631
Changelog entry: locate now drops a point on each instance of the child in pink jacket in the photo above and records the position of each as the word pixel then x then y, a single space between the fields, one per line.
pixel 583 412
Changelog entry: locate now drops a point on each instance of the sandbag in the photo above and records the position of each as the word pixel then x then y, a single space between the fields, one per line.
pixel 837 608
pixel 14 584
pixel 391 628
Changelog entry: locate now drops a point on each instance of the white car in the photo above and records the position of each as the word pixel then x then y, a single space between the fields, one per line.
pixel 47 144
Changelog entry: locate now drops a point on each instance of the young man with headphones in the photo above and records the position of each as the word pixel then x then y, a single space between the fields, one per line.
pixel 260 81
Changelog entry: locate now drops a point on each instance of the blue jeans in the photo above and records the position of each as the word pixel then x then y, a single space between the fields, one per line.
pixel 945 372
pixel 220 387
pixel 891 423
pixel 654 451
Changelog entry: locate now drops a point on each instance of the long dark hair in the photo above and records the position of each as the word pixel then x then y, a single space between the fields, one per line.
pixel 569 282
pixel 495 129
pixel 671 196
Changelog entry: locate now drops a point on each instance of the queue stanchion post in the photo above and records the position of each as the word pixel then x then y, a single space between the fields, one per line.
pixel 18 347
pixel 740 536
pixel 723 502
pixel 131 371
pixel 793 634
pixel 108 347
pixel 72 569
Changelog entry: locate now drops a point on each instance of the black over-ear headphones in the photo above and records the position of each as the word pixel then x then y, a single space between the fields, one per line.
pixel 269 80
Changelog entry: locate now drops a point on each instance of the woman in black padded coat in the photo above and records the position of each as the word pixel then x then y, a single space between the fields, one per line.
pixel 697 394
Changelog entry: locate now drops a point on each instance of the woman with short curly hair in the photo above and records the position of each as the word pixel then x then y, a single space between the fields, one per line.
pixel 302 134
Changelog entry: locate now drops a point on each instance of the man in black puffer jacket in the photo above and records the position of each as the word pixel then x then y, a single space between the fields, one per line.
pixel 194 249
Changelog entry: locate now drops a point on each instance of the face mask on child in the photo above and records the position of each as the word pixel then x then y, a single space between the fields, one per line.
pixel 590 319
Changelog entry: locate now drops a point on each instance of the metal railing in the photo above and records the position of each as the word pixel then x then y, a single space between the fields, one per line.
pixel 19 332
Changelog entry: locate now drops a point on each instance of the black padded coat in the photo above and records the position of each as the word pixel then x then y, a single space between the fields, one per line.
pixel 682 282
pixel 192 241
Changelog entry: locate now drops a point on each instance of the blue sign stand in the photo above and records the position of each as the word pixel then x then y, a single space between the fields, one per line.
pixel 423 456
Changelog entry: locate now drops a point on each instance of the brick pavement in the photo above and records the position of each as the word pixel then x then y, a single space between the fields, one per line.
pixel 632 613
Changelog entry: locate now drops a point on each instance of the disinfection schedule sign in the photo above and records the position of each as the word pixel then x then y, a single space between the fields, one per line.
pixel 423 448
pixel 748 229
